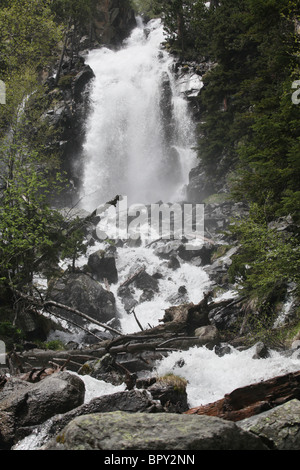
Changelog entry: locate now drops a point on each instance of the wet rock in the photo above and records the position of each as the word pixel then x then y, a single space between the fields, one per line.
pixel 168 250
pixel 261 351
pixel 102 266
pixel 162 431
pixel 144 281
pixel 191 315
pixel 133 401
pixel 224 315
pixel 208 335
pixel 24 404
pixel 173 263
pixel 222 349
pixel 81 80
pixel 170 390
pixel 200 186
pixel 279 427
pixel 180 297
pixel 81 292
pixel 126 294
pixel 104 369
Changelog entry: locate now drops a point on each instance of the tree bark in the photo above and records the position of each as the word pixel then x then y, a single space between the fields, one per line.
pixel 253 399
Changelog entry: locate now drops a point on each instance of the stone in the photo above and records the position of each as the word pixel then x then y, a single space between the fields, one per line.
pixel 144 281
pixel 208 335
pixel 200 186
pixel 103 369
pixel 170 390
pixel 261 351
pixel 81 80
pixel 133 401
pixel 102 266
pixel 280 427
pixel 81 292
pixel 191 315
pixel 159 431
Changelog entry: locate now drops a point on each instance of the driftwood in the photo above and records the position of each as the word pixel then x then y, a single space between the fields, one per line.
pixel 253 399
pixel 45 305
pixel 36 375
pixel 155 341
pixel 132 278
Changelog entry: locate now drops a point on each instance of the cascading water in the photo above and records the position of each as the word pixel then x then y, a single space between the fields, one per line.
pixel 139 133
pixel 139 140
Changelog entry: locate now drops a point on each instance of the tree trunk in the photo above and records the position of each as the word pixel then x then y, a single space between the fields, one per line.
pixel 253 399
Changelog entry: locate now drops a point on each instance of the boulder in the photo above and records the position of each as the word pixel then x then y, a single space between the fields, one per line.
pixel 133 401
pixel 24 404
pixel 170 390
pixel 81 292
pixel 146 281
pixel 279 426
pixel 261 351
pixel 200 186
pixel 102 266
pixel 159 431
pixel 104 369
pixel 208 335
pixel 81 80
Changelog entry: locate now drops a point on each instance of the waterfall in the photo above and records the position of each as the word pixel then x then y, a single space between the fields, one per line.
pixel 139 134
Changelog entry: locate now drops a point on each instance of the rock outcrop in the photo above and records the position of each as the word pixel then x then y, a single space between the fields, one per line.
pixel 23 404
pixel 280 426
pixel 81 292
pixel 140 431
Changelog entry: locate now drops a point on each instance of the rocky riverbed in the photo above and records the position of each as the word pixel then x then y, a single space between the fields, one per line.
pixel 46 401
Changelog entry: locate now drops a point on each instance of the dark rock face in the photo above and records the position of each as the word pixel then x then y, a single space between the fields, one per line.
pixel 103 266
pixel 113 21
pixel 23 404
pixel 81 292
pixel 200 186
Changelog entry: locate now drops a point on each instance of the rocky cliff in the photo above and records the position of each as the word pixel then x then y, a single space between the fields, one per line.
pixel 68 97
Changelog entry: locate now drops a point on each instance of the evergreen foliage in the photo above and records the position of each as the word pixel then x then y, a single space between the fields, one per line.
pixel 31 231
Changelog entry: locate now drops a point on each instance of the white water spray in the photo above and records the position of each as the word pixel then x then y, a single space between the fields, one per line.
pixel 132 148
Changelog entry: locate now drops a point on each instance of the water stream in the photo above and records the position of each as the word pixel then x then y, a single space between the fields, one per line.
pixel 139 144
pixel 140 133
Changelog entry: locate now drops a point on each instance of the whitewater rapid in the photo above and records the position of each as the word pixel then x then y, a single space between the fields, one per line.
pixel 140 134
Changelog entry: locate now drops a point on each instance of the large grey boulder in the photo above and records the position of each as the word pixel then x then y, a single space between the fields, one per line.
pixel 162 431
pixel 79 291
pixel 133 401
pixel 102 266
pixel 280 426
pixel 24 404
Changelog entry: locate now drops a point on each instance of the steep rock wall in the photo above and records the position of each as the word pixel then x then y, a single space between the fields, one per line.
pixel 113 21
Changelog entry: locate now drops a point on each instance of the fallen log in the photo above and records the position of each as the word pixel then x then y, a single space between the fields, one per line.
pixel 253 399
pixel 44 305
